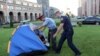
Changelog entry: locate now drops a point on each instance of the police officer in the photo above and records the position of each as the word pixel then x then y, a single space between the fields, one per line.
pixel 66 34
pixel 50 23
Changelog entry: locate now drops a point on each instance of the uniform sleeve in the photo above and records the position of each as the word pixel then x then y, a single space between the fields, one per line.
pixel 45 23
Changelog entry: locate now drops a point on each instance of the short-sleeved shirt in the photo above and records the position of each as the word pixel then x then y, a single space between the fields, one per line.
pixel 67 24
pixel 50 23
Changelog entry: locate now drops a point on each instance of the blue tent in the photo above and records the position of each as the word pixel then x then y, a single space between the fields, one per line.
pixel 25 40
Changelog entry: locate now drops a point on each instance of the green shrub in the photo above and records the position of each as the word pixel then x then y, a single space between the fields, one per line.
pixel 79 24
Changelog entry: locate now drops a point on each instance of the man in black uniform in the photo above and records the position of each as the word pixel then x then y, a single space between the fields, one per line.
pixel 66 34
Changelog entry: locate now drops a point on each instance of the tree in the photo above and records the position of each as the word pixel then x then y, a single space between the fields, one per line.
pixel 11 20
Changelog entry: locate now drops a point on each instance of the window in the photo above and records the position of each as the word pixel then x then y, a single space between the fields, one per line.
pixel 24 3
pixel 39 5
pixel 30 9
pixel 30 4
pixel 18 8
pixel 24 8
pixel 10 1
pixel 1 0
pixel 18 2
pixel 10 7
pixel 35 5
pixel 1 6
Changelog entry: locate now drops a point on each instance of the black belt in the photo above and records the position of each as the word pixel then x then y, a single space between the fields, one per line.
pixel 52 29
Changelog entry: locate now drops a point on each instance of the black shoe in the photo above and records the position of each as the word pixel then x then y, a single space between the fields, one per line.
pixel 78 54
pixel 57 54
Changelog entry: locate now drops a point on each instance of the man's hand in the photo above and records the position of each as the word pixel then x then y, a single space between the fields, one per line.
pixel 58 30
pixel 54 35
pixel 40 27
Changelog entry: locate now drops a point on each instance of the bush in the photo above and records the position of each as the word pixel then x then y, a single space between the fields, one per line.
pixel 79 24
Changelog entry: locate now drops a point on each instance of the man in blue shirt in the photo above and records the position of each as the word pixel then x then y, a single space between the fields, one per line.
pixel 66 34
pixel 51 25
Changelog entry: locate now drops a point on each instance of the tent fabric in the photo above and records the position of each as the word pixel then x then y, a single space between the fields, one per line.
pixel 25 40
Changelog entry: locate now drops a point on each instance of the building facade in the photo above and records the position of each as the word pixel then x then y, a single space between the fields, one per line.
pixel 52 12
pixel 45 6
pixel 89 7
pixel 18 10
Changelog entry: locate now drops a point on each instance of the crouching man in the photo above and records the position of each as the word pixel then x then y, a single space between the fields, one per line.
pixel 50 23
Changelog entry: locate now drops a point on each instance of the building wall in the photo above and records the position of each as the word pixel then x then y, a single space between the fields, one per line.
pixel 97 7
pixel 21 7
pixel 80 8
pixel 89 7
pixel 45 6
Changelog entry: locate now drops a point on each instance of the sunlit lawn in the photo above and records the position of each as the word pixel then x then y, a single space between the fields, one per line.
pixel 86 38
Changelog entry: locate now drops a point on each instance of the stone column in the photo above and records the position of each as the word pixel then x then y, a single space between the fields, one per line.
pixel 23 16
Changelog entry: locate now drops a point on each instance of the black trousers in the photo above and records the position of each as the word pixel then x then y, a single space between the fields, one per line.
pixel 51 39
pixel 69 37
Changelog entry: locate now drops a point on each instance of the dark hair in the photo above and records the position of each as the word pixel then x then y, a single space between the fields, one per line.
pixel 40 17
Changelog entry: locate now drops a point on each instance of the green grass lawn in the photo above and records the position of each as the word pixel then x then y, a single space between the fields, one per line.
pixel 86 38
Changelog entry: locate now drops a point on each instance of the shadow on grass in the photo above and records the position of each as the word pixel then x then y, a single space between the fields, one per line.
pixel 8 27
